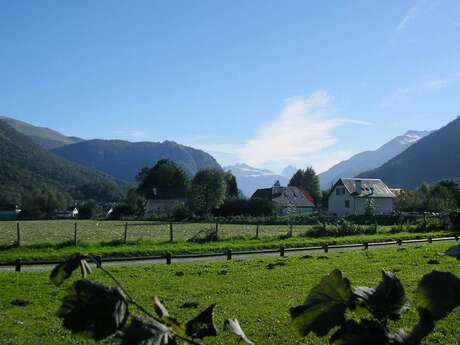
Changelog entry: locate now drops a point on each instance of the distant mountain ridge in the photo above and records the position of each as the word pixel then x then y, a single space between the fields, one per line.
pixel 123 159
pixel 369 160
pixel 25 166
pixel 43 136
pixel 249 179
pixel 432 158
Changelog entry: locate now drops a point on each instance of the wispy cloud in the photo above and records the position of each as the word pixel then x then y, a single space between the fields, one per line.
pixel 302 134
pixel 421 85
pixel 410 16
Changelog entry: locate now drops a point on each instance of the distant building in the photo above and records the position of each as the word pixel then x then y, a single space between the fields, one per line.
pixel 161 207
pixel 9 212
pixel 70 213
pixel 352 196
pixel 285 199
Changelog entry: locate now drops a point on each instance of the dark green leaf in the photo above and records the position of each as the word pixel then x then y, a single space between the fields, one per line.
pixel 234 327
pixel 366 332
pixel 454 251
pixel 202 325
pixel 93 310
pixel 325 306
pixel 438 293
pixel 64 270
pixel 388 300
pixel 144 332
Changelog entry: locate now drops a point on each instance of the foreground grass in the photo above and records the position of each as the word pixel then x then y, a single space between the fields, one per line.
pixel 258 296
pixel 142 248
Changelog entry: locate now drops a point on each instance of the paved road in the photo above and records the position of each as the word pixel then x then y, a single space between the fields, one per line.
pixel 244 256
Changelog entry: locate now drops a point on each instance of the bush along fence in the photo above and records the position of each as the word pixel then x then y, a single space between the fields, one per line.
pixel 229 254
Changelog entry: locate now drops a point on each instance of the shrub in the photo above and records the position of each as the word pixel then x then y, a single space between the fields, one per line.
pixel 181 212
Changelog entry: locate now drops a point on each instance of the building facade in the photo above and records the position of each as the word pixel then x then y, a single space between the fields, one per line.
pixel 356 196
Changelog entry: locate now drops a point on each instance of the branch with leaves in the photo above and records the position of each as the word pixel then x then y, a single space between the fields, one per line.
pixel 96 311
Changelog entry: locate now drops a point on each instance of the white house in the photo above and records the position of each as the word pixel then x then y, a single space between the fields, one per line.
pixel 162 207
pixel 352 196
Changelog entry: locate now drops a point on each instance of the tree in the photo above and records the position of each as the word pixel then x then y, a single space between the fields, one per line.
pixel 87 210
pixel 164 181
pixel 232 187
pixel 136 202
pixel 307 180
pixel 41 203
pixel 207 191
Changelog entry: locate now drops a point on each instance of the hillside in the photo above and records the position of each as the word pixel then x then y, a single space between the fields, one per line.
pixel 25 166
pixel 249 179
pixel 45 137
pixel 432 158
pixel 369 160
pixel 124 159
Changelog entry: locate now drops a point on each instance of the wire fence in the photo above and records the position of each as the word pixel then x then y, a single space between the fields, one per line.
pixel 75 232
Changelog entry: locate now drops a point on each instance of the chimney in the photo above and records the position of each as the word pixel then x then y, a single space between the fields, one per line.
pixel 359 186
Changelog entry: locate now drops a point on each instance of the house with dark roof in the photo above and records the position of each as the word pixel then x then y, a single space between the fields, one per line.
pixel 286 199
pixel 352 196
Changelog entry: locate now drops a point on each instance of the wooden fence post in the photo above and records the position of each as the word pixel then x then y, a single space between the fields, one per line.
pixel 17 265
pixel 168 258
pixel 399 242
pixel 366 246
pixel 229 254
pixel 18 234
pixel 430 240
pixel 171 232
pixel 125 234
pixel 98 261
pixel 217 230
pixel 290 230
pixel 282 251
pixel 75 234
pixel 326 248
pixel 257 231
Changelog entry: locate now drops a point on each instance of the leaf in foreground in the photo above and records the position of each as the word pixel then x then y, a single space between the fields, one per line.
pixel 144 332
pixel 202 325
pixel 65 269
pixel 365 332
pixel 388 299
pixel 438 293
pixel 93 310
pixel 325 306
pixel 233 326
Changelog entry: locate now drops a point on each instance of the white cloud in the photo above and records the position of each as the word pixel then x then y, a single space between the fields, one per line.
pixel 303 129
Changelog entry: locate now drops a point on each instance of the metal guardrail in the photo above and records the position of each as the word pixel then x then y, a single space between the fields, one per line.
pixel 18 263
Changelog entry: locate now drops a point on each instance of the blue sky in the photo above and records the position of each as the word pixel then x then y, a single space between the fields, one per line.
pixel 268 83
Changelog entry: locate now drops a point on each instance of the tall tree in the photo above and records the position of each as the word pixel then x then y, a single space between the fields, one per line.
pixel 164 181
pixel 232 187
pixel 207 190
pixel 307 180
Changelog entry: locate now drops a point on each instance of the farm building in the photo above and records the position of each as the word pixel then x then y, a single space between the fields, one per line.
pixel 354 196
pixel 161 207
pixel 285 199
pixel 70 213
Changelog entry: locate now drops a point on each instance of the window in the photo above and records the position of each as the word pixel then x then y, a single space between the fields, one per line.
pixel 340 191
pixel 347 203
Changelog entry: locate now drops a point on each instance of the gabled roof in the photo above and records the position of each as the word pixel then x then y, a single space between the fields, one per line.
pixel 285 196
pixel 374 188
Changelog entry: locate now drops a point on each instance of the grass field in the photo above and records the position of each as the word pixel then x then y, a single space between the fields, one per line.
pixel 90 231
pixel 259 297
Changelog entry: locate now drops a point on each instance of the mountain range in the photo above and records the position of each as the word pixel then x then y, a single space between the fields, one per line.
pixel 45 137
pixel 120 159
pixel 124 159
pixel 368 160
pixel 432 158
pixel 26 166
